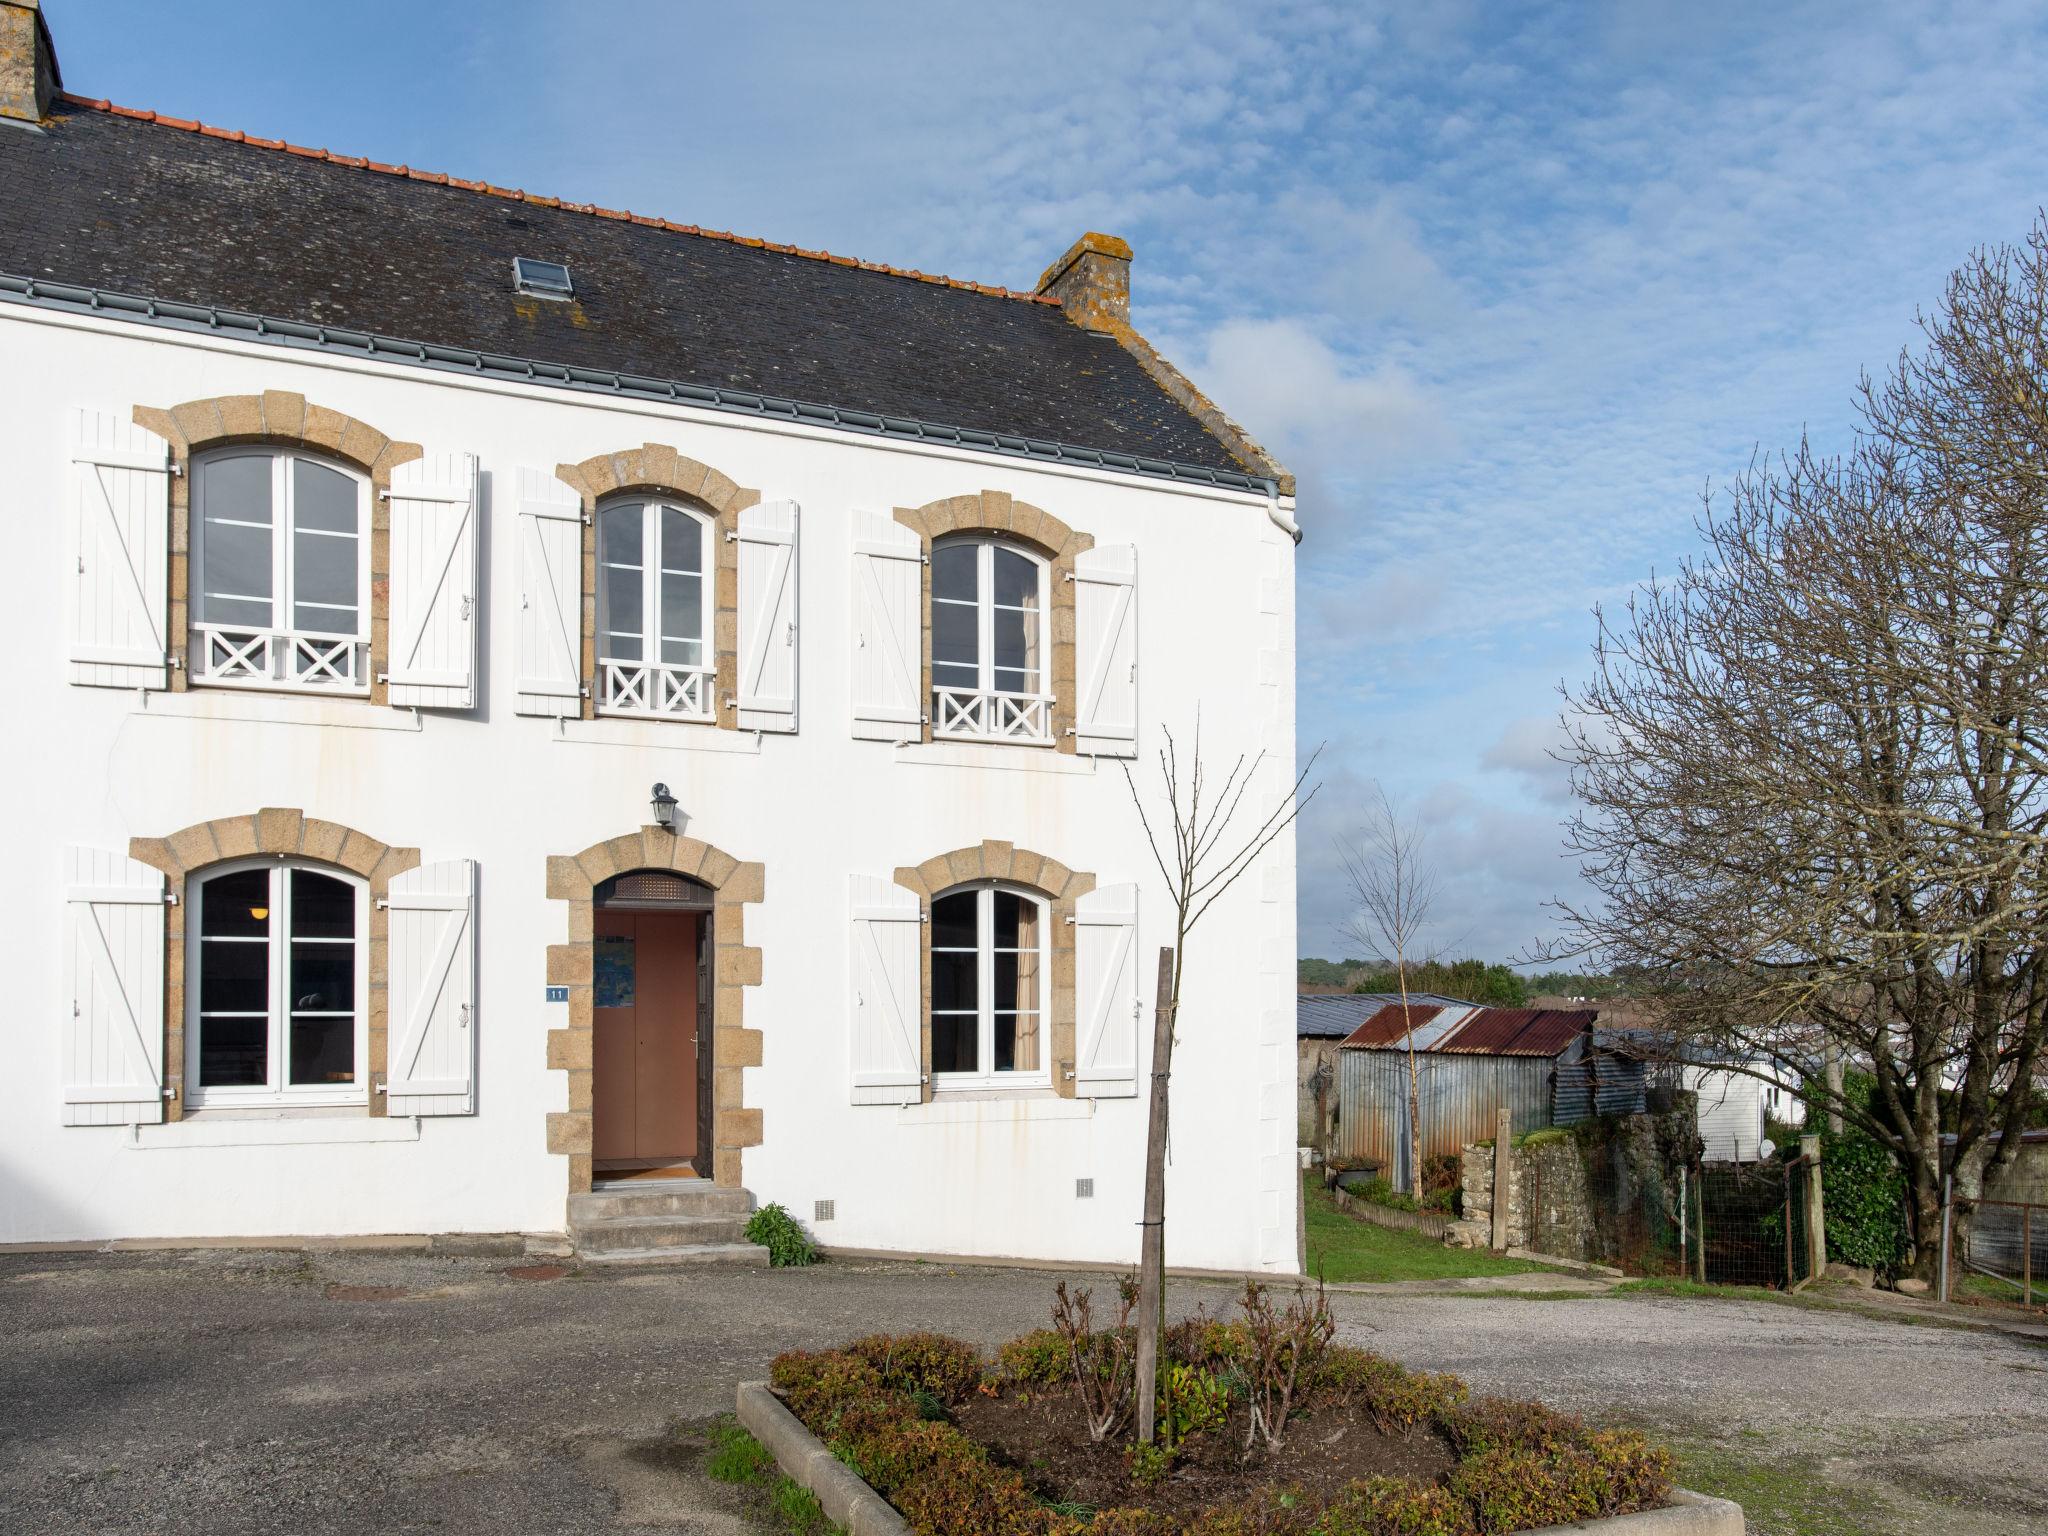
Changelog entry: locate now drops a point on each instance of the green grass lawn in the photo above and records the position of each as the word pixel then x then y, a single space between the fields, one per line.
pixel 1342 1247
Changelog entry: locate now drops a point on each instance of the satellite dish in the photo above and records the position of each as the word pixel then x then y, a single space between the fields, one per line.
pixel 1767 1149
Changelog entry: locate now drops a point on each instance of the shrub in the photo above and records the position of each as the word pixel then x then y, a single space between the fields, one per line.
pixel 1379 1191
pixel 1125 1520
pixel 1271 1513
pixel 928 1362
pixel 1038 1359
pixel 1194 1401
pixel 788 1245
pixel 1866 1202
pixel 1287 1350
pixel 1395 1398
pixel 1602 1472
pixel 1205 1341
pixel 1395 1506
pixel 1102 1362
pixel 1147 1463
pixel 1634 1474
pixel 890 1454
pixel 960 1493
pixel 816 1386
pixel 1501 1424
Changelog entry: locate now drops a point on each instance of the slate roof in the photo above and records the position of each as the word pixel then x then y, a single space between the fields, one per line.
pixel 1334 1015
pixel 172 210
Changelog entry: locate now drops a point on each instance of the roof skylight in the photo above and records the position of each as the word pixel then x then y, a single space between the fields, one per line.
pixel 542 279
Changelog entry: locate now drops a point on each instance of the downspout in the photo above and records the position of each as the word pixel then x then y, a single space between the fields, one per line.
pixel 1281 520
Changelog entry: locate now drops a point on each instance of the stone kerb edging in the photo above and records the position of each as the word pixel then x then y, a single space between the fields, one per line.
pixel 802 1455
pixel 864 1512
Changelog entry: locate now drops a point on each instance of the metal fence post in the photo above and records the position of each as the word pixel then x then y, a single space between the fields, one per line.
pixel 1816 1210
pixel 1699 1228
pixel 2027 1255
pixel 1947 1202
pixel 1684 1201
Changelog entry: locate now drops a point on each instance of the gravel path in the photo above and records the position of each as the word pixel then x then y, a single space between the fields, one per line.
pixel 232 1392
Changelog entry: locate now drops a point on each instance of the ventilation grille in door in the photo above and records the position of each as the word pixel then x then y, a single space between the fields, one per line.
pixel 654 888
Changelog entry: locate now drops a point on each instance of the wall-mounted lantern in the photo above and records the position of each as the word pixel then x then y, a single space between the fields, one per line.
pixel 664 808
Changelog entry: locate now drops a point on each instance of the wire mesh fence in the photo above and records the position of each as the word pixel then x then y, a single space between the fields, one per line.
pixel 1997 1251
pixel 1750 1223
pixel 1616 1212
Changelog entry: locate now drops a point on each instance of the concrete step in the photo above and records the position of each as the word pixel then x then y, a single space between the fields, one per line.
pixel 702 1253
pixel 675 1197
pixel 615 1233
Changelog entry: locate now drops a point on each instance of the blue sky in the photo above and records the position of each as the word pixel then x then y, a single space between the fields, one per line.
pixel 1506 286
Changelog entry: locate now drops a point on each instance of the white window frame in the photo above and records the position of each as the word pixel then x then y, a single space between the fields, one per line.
pixel 987 711
pixel 279 1091
pixel 279 656
pixel 985 991
pixel 651 689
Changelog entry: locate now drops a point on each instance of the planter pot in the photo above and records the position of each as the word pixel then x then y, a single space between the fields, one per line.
pixel 864 1512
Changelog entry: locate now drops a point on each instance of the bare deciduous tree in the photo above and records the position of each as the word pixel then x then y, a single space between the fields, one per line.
pixel 1812 767
pixel 1200 856
pixel 1395 888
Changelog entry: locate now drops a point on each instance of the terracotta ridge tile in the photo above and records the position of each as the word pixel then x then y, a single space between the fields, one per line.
pixel 441 179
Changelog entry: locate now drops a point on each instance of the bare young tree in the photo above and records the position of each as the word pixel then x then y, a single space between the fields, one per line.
pixel 1812 767
pixel 1396 889
pixel 1200 855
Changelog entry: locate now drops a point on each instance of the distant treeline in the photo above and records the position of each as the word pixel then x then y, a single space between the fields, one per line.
pixel 1476 981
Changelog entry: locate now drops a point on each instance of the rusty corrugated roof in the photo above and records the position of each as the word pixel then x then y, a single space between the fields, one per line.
pixel 1387 1027
pixel 1517 1031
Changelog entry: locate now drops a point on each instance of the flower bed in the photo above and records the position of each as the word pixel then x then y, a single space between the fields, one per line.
pixel 1268 1429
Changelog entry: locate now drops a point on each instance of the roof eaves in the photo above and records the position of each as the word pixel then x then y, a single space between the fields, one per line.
pixel 76 298
pixel 520 195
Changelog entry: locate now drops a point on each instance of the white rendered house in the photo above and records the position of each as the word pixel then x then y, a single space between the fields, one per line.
pixel 519 705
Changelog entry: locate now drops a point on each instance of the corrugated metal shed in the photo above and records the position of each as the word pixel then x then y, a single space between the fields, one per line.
pixel 1334 1015
pixel 1459 1097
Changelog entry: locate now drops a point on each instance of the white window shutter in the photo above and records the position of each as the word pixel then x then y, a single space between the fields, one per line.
pixel 768 616
pixel 434 595
pixel 114 1009
pixel 1106 993
pixel 1106 650
pixel 548 629
pixel 887 1038
pixel 120 538
pixel 431 1002
pixel 888 629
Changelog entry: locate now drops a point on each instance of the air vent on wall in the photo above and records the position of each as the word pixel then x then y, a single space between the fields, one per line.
pixel 1084 1189
pixel 823 1210
pixel 542 279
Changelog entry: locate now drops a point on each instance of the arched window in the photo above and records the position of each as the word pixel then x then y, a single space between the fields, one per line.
pixel 988 993
pixel 278 1014
pixel 654 603
pixel 281 562
pixel 989 642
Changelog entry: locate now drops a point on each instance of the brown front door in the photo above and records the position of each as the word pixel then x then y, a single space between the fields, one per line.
pixel 644 1010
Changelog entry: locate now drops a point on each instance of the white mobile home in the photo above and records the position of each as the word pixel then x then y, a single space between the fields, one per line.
pixel 513 697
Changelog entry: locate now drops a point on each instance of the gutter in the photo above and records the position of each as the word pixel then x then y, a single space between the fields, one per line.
pixel 78 299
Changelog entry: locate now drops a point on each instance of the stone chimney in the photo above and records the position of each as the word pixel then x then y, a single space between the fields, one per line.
pixel 1093 283
pixel 28 63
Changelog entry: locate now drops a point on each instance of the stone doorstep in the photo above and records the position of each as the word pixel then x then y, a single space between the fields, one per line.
pixel 864 1512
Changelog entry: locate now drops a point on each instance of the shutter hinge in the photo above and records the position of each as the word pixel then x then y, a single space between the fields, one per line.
pixel 1066 575
pixel 383 677
pixel 924 559
pixel 585 519
pixel 170 898
pixel 174 661
pixel 583 691
pixel 731 537
pixel 383 902
pixel 384 495
pixel 176 468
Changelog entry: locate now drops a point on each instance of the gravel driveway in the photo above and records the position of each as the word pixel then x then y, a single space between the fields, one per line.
pixel 231 1392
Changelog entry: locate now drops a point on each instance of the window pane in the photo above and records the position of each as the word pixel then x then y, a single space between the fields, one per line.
pixel 956 572
pixel 1016 580
pixel 953 634
pixel 234 976
pixel 619 535
pixel 234 582
pixel 234 1052
pixel 1016 1042
pixel 682 610
pixel 322 906
pixel 955 1044
pixel 682 541
pixel 323 977
pixel 955 920
pixel 236 905
pixel 622 617
pixel 236 489
pixel 1016 647
pixel 322 498
pixel 324 583
pixel 323 1050
pixel 1016 921
pixel 953 980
